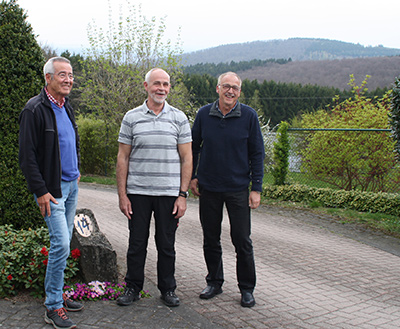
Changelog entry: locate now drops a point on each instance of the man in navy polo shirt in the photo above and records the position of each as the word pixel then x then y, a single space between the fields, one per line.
pixel 228 156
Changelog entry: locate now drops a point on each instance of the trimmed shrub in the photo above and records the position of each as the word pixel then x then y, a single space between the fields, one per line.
pixel 386 203
pixel 21 63
pixel 99 147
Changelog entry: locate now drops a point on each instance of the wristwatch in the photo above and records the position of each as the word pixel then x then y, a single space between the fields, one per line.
pixel 184 194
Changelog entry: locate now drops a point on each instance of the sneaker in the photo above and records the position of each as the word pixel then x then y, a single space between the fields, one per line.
pixel 71 305
pixel 128 297
pixel 59 319
pixel 170 299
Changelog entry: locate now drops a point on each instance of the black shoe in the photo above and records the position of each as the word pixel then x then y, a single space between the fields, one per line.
pixel 128 297
pixel 170 299
pixel 210 292
pixel 71 305
pixel 59 319
pixel 247 299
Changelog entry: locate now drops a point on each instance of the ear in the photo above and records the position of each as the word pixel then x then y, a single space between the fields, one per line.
pixel 48 78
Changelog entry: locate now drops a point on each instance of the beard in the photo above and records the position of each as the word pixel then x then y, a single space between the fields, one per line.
pixel 159 99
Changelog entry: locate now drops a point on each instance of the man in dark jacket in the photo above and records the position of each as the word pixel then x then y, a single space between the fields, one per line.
pixel 49 159
pixel 228 155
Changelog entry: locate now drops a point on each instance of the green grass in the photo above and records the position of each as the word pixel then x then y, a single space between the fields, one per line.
pixel 387 224
pixel 104 180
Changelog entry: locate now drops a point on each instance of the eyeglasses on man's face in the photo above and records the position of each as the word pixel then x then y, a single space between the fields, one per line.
pixel 64 75
pixel 226 87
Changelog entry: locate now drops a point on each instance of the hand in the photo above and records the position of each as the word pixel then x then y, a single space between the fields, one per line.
pixel 194 187
pixel 125 206
pixel 254 199
pixel 44 204
pixel 179 207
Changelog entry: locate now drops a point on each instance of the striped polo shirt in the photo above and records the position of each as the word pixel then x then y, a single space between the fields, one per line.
pixel 154 163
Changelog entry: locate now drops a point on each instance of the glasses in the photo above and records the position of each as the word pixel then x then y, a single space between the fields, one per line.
pixel 227 87
pixel 64 75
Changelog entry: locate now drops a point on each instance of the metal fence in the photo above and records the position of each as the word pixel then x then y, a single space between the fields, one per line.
pixel 349 159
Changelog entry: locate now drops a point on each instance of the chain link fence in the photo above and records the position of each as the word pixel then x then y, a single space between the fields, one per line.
pixel 349 159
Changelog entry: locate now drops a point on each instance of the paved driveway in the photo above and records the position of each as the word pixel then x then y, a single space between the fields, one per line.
pixel 310 274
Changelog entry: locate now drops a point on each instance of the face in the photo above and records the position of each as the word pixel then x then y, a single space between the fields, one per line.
pixel 60 83
pixel 228 91
pixel 158 87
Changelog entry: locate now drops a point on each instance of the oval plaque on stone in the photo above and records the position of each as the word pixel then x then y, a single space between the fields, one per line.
pixel 83 225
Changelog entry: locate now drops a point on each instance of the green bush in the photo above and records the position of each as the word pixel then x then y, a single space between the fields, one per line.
pixel 350 160
pixel 281 155
pixel 386 203
pixel 23 260
pixel 21 63
pixel 99 147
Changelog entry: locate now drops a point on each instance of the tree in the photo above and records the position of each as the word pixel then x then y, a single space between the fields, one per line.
pixel 116 63
pixel 281 155
pixel 21 62
pixel 395 115
pixel 351 159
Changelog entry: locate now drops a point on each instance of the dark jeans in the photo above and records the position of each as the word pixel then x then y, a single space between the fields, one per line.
pixel 165 228
pixel 211 210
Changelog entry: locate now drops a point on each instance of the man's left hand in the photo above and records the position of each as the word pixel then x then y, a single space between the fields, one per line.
pixel 254 199
pixel 179 207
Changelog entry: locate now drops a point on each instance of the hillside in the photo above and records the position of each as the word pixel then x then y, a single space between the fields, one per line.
pixel 331 73
pixel 298 49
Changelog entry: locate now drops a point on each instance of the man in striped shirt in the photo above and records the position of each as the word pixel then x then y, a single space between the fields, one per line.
pixel 154 166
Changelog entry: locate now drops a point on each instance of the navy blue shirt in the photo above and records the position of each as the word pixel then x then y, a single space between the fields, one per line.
pixel 228 151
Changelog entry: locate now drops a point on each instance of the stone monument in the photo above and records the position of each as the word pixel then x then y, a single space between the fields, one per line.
pixel 98 260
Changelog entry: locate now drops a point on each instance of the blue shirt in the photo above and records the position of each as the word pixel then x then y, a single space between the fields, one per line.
pixel 66 138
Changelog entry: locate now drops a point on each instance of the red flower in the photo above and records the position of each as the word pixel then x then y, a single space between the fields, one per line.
pixel 10 277
pixel 45 262
pixel 44 251
pixel 75 253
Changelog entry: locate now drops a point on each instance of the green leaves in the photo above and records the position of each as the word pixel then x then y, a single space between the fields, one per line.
pixel 281 155
pixel 21 63
pixel 351 159
pixel 23 260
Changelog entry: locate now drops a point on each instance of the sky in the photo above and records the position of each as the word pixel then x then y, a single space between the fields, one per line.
pixel 63 25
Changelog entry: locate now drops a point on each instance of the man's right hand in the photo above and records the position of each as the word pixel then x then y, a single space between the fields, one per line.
pixel 125 206
pixel 194 187
pixel 44 204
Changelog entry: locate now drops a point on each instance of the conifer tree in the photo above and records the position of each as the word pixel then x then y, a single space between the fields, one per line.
pixel 21 63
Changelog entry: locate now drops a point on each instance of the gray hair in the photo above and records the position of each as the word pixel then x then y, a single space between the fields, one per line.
pixel 229 73
pixel 49 66
pixel 148 74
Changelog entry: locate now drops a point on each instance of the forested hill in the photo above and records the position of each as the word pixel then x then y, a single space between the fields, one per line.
pixel 297 49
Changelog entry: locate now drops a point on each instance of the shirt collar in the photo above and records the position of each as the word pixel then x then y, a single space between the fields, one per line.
pixel 53 100
pixel 217 105
pixel 147 110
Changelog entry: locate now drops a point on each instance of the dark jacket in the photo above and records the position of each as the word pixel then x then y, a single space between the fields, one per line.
pixel 228 151
pixel 39 149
